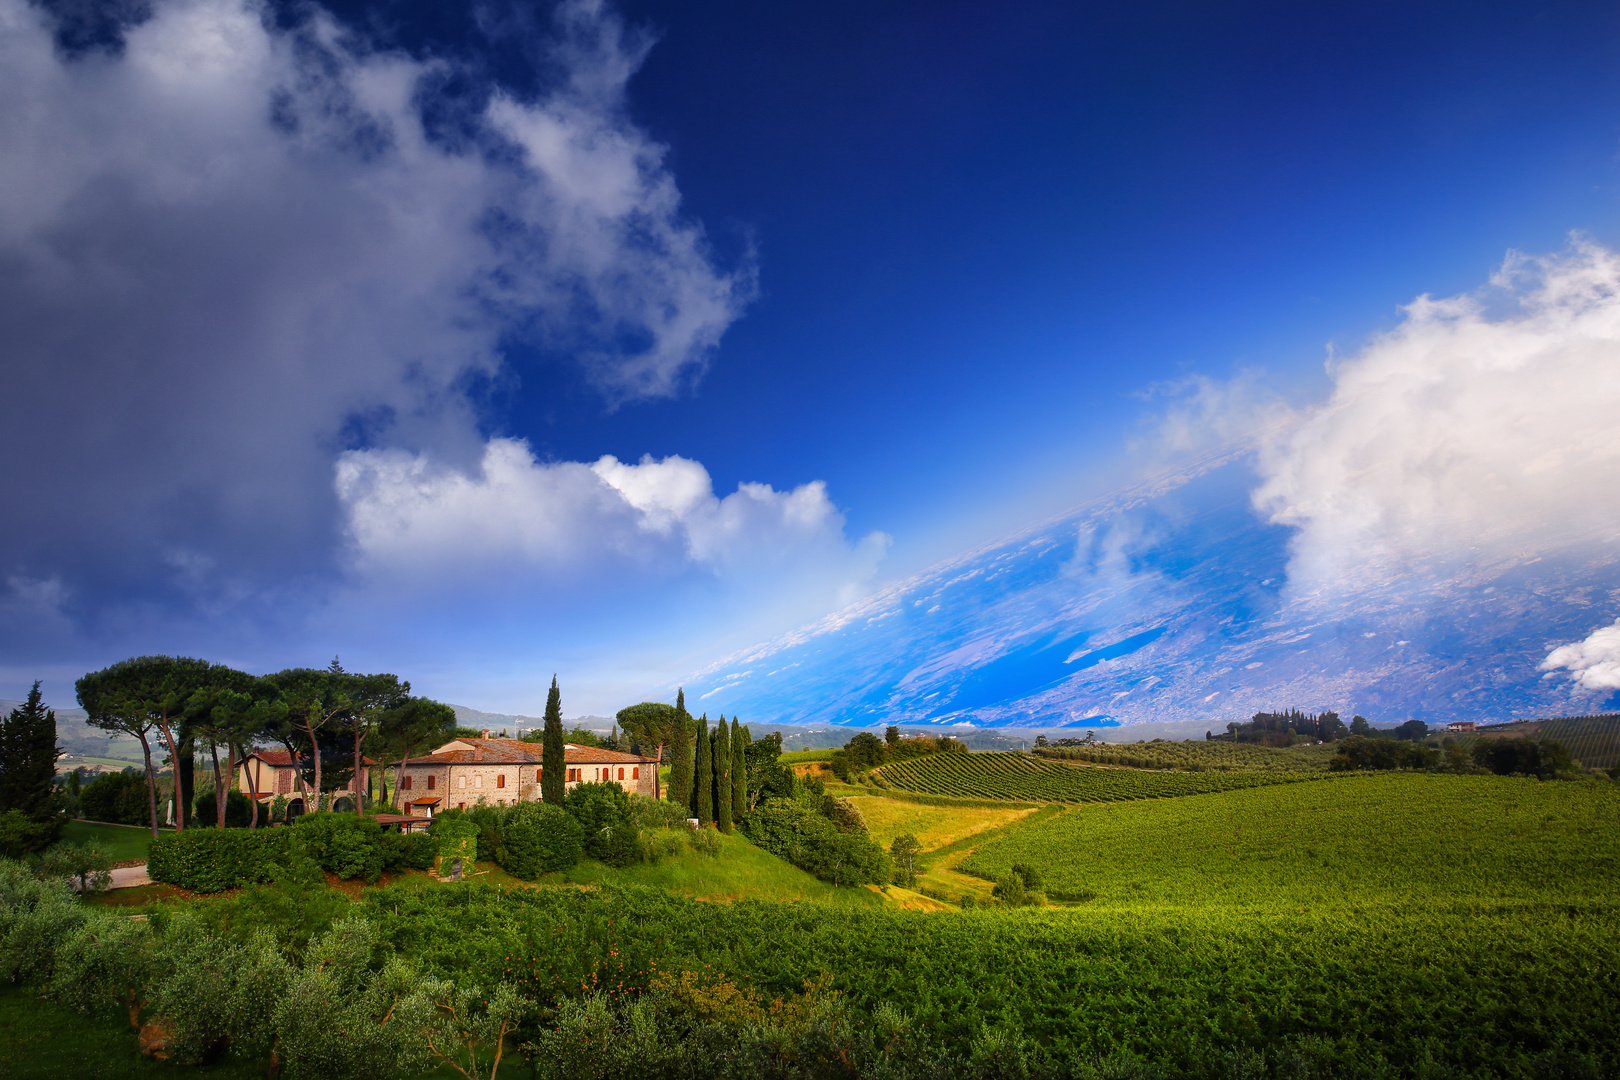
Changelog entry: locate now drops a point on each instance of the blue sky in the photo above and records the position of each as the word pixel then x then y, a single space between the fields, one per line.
pixel 283 289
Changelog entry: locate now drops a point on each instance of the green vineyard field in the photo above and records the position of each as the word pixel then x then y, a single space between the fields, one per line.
pixel 1414 839
pixel 1022 778
pixel 1593 741
pixel 1197 756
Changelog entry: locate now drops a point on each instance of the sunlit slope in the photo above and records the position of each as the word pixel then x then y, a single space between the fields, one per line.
pixel 1398 839
pixel 1021 777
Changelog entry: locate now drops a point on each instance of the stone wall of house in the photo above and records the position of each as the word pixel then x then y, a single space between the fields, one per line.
pixel 461 784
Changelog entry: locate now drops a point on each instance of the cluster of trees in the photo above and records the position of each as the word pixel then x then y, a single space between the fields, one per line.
pixel 1543 758
pixel 866 751
pixel 719 772
pixel 328 719
pixel 1287 728
pixel 600 820
pixel 30 805
pixel 1294 726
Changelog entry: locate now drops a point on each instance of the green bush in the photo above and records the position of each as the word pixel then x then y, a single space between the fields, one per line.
pixel 343 844
pixel 538 838
pixel 812 842
pixel 205 814
pixel 211 860
pixel 21 835
pixel 412 851
pixel 602 810
pixel 119 798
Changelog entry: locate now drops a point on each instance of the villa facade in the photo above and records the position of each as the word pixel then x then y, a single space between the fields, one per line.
pixel 505 771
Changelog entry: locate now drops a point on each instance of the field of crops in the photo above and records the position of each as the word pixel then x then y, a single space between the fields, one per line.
pixel 799 757
pixel 1197 756
pixel 1391 838
pixel 1593 741
pixel 1020 777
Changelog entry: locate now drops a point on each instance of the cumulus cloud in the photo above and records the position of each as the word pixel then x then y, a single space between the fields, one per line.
pixel 1479 431
pixel 228 249
pixel 515 520
pixel 1594 663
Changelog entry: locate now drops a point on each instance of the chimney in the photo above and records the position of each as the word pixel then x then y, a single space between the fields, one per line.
pixel 478 754
pixel 485 734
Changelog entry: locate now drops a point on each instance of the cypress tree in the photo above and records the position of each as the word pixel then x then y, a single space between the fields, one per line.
pixel 740 739
pixel 28 779
pixel 553 762
pixel 680 753
pixel 721 756
pixel 703 796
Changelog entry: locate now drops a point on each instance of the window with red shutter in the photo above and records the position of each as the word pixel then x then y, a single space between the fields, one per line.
pixel 500 780
pixel 635 774
pixel 405 785
pixel 431 779
pixel 621 774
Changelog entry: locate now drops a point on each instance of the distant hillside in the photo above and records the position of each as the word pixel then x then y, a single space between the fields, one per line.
pixel 78 738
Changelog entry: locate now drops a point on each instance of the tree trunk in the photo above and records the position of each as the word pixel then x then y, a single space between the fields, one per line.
pixel 314 749
pixel 151 780
pixel 355 783
pixel 657 790
pixel 179 788
pixel 219 786
pixel 253 794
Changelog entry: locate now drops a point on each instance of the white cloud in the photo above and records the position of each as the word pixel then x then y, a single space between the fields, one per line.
pixel 1593 663
pixel 228 247
pixel 517 519
pixel 1480 429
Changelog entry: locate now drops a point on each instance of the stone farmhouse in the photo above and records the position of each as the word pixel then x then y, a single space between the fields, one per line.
pixel 276 772
pixel 504 771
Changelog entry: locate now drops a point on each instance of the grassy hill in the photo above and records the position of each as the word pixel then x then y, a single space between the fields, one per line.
pixel 1022 777
pixel 1197 756
pixel 1396 839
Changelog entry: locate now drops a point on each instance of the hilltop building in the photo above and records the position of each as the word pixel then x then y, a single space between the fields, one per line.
pixel 505 771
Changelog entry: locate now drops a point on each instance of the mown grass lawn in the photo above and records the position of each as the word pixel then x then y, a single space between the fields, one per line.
pixel 120 842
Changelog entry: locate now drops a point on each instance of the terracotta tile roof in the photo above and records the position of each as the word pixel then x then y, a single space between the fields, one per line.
pixel 282 758
pixel 518 752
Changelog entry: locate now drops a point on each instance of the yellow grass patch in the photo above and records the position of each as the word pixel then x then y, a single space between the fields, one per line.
pixel 933 826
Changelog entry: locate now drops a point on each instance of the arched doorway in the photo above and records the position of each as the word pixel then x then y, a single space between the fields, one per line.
pixel 343 805
pixel 295 809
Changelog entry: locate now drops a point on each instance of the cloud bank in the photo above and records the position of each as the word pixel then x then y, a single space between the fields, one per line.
pixel 515 519
pixel 1594 663
pixel 229 250
pixel 1479 431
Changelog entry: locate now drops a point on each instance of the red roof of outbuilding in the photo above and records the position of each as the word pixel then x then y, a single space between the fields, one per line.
pixel 283 759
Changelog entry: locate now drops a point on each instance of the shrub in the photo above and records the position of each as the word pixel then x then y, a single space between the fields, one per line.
pixel 810 841
pixel 601 810
pixel 538 838
pixel 211 860
pixel 456 837
pixel 1032 877
pixel 205 814
pixel 21 835
pixel 119 798
pixel 488 819
pixel 343 844
pixel 414 851
pixel 87 867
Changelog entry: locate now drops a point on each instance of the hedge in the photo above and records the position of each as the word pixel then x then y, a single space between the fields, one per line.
pixel 211 860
